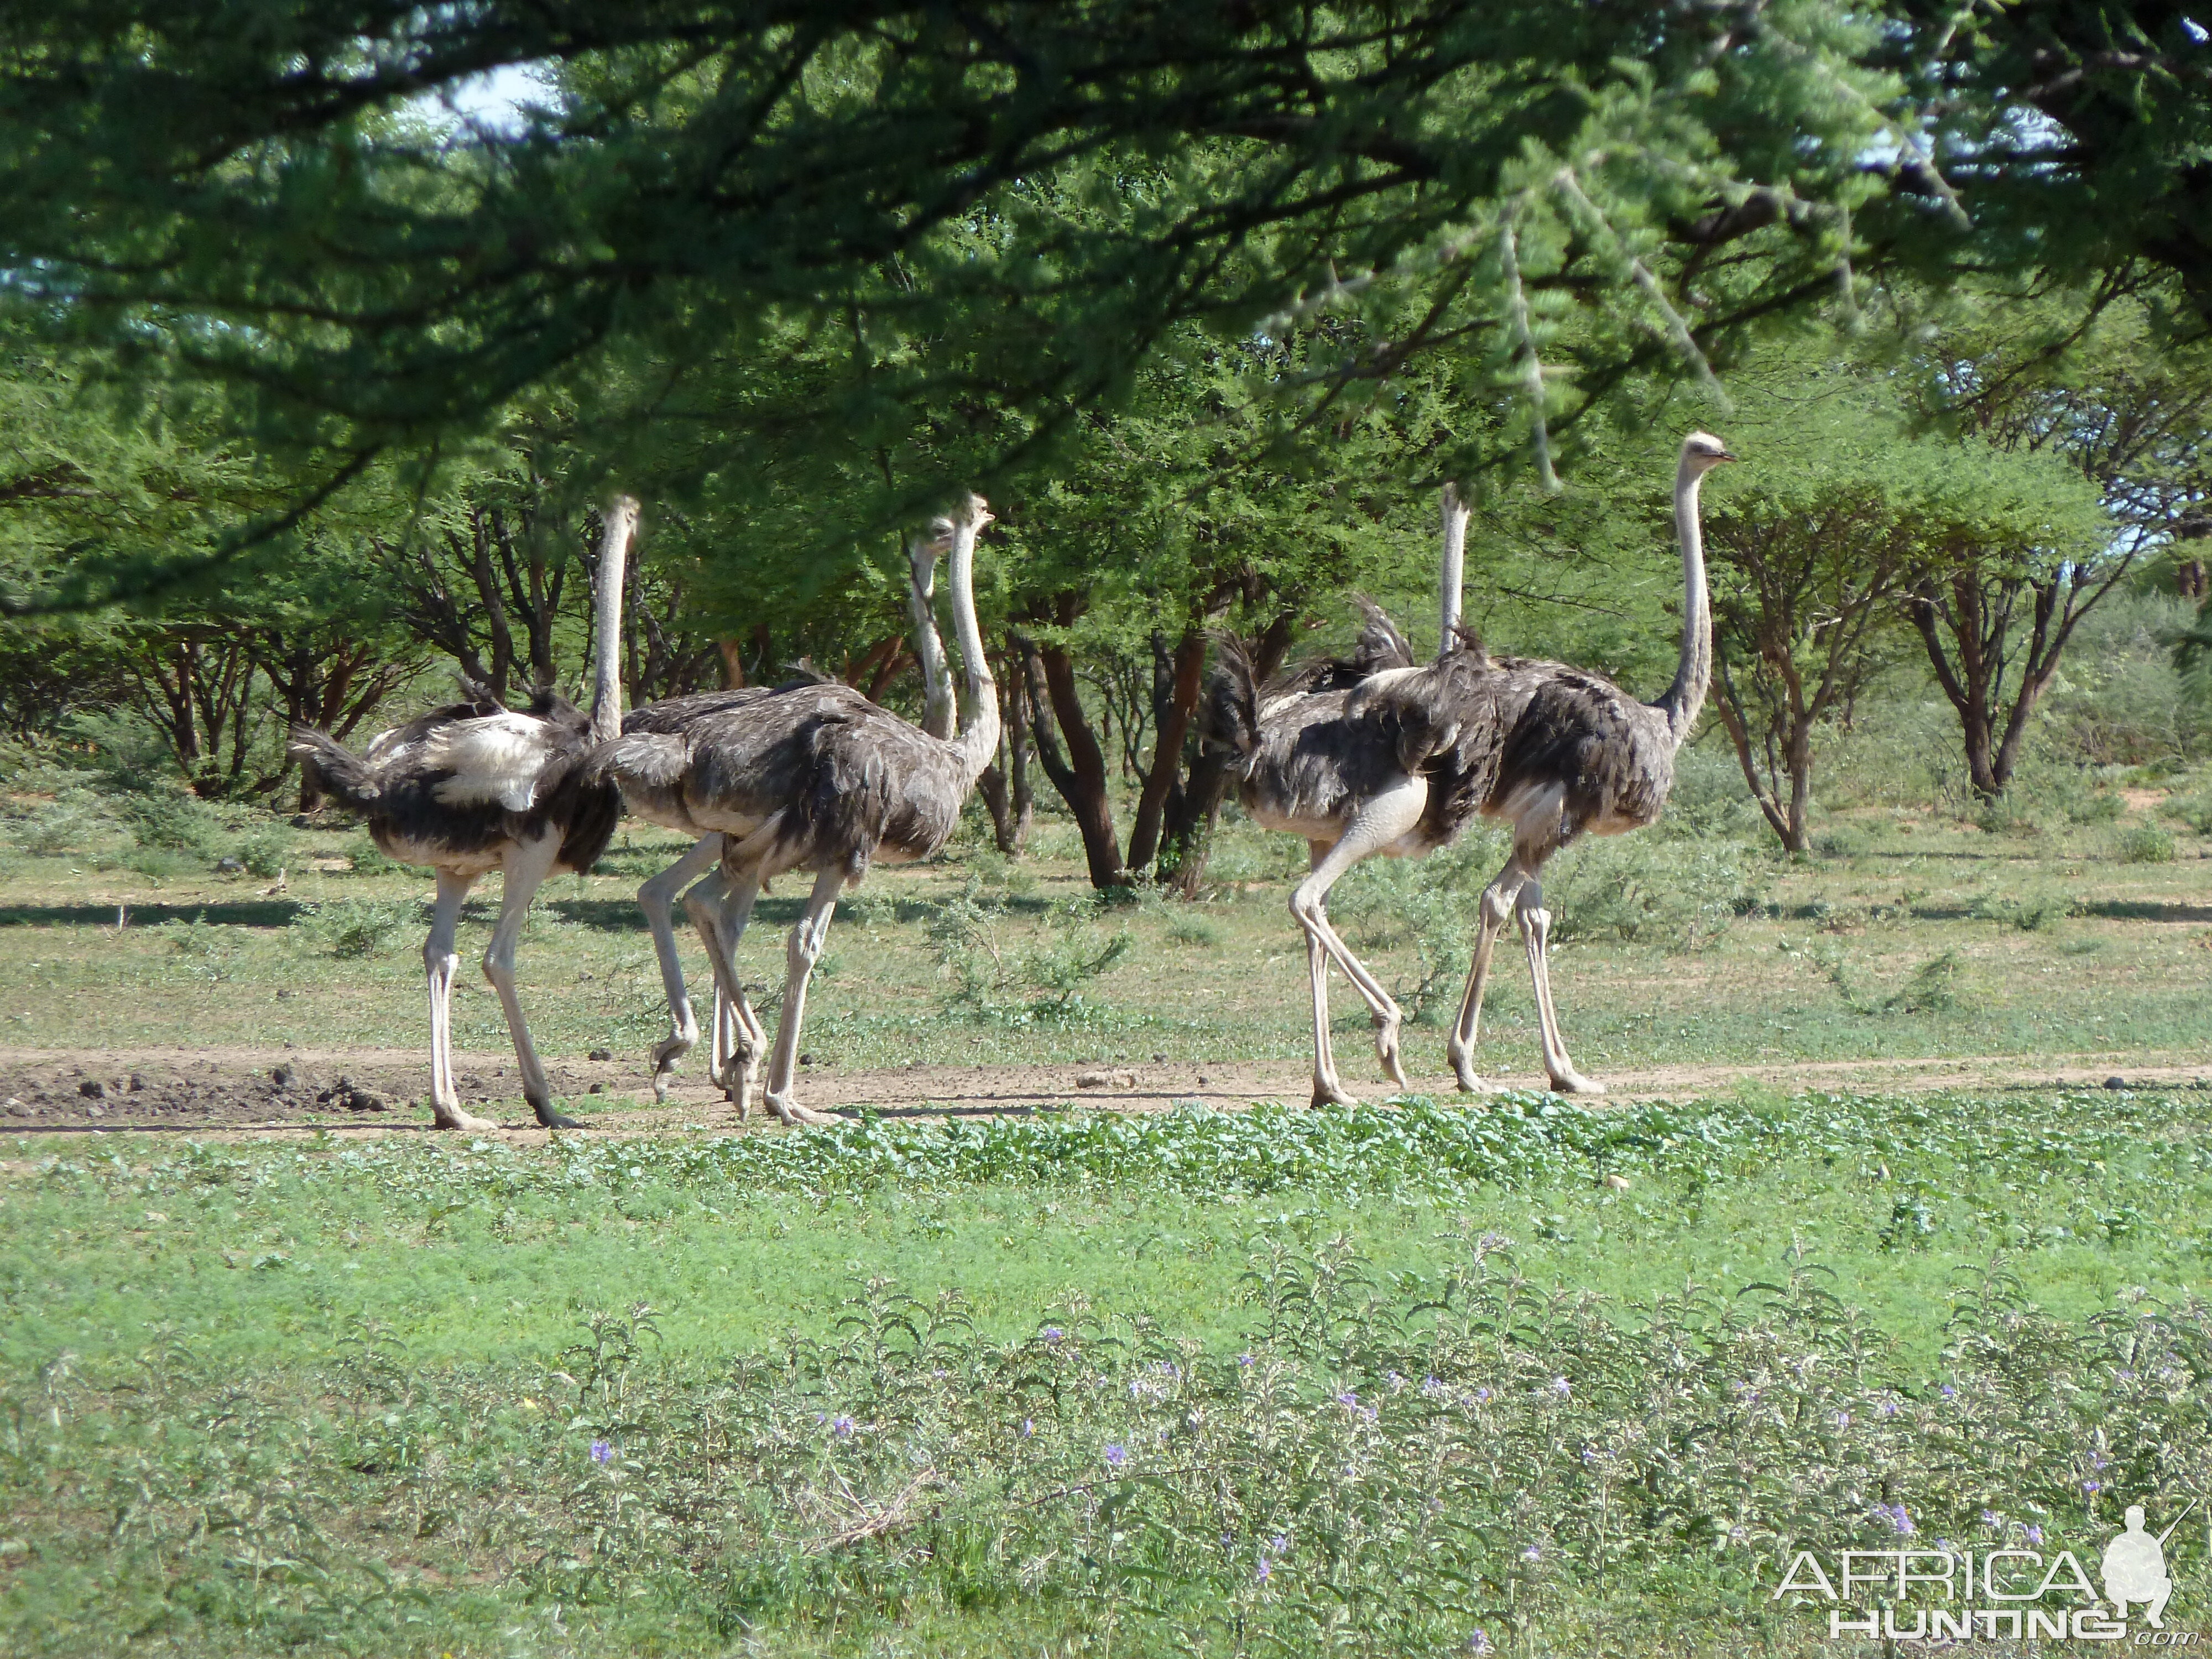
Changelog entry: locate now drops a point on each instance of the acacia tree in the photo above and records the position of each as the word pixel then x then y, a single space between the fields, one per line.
pixel 142 480
pixel 1838 513
pixel 2096 385
pixel 264 196
pixel 1198 506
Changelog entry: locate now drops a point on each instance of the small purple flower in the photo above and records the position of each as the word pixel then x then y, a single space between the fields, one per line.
pixel 602 1452
pixel 1561 1386
pixel 1991 1518
pixel 842 1426
pixel 1947 1392
pixel 1244 1358
pixel 1430 1387
pixel 1052 1333
pixel 1349 1397
pixel 2034 1534
pixel 1843 1419
pixel 1888 1406
pixel 1737 1533
pixel 1117 1456
pixel 1265 1571
pixel 1900 1522
pixel 1482 1396
pixel 1480 1641
pixel 1029 1427
pixel 1280 1544
pixel 1944 1546
pixel 1533 1552
pixel 2092 1485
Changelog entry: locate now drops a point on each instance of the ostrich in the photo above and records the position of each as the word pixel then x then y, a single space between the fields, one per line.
pixel 476 787
pixel 737 1034
pixel 807 776
pixel 1380 757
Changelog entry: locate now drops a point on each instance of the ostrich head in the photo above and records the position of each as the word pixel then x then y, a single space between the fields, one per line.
pixel 1702 452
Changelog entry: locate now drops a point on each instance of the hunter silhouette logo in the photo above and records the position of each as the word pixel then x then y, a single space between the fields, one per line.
pixel 2135 1568
pixel 2007 1593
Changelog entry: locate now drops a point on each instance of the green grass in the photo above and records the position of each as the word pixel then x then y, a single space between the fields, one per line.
pixel 340 1397
pixel 1690 944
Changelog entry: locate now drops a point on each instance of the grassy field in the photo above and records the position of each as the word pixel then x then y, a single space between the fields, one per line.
pixel 1914 932
pixel 1578 1381
pixel 1531 1376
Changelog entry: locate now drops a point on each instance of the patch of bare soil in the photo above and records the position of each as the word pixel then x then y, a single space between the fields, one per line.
pixel 253 1093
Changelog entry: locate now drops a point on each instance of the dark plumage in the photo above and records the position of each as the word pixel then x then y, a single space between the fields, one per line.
pixel 474 788
pixel 422 809
pixel 1373 754
pixel 807 775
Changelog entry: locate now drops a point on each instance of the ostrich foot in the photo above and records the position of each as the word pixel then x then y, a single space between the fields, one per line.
pixel 740 1078
pixel 665 1053
pixel 453 1117
pixel 1571 1082
pixel 1329 1092
pixel 793 1113
pixel 1387 1047
pixel 1469 1083
pixel 549 1118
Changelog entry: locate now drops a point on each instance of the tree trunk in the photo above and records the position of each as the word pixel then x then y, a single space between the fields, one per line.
pixel 1081 777
pixel 1175 700
pixel 1963 620
pixel 990 785
pixel 733 663
pixel 1787 823
pixel 1005 790
pixel 1187 834
pixel 1016 721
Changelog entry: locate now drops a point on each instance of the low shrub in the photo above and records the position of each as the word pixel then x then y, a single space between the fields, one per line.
pixel 2032 913
pixel 2147 843
pixel 1192 927
pixel 358 927
pixel 1682 895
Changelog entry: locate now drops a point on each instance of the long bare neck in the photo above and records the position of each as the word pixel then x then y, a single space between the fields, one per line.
pixel 619 523
pixel 979 721
pixel 1688 695
pixel 1452 581
pixel 936 672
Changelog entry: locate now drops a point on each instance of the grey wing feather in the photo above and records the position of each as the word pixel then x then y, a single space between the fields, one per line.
pixel 1379 645
pixel 648 760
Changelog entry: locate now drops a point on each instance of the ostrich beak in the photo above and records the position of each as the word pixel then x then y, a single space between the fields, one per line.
pixel 1725 456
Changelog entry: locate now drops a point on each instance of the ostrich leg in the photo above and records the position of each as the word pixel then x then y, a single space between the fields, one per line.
pixel 1496 910
pixel 721 911
pixel 1328 1088
pixel 1383 821
pixel 523 872
pixel 439 961
pixel 1536 932
pixel 657 899
pixel 806 942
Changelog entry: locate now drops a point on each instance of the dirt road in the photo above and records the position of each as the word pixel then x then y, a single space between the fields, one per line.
pixel 256 1093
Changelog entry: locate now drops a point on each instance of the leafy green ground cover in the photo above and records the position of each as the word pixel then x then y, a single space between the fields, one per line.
pixel 2073 921
pixel 1410 1380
